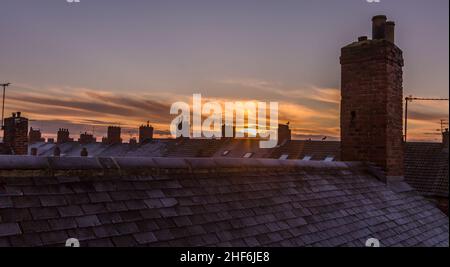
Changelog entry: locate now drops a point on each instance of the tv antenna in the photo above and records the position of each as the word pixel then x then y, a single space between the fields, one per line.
pixel 411 99
pixel 4 85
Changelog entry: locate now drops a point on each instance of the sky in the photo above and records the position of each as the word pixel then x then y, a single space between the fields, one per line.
pixel 87 65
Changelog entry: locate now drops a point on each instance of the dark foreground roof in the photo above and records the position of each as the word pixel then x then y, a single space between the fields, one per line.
pixel 4 149
pixel 207 202
pixel 426 168
pixel 426 164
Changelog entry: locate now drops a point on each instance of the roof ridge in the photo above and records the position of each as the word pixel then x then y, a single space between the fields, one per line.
pixel 36 166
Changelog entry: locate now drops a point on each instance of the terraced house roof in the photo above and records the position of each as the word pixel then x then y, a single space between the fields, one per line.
pixel 208 202
pixel 426 164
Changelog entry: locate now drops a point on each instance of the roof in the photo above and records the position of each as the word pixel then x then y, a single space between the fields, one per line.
pixel 426 168
pixel 317 150
pixel 426 164
pixel 207 202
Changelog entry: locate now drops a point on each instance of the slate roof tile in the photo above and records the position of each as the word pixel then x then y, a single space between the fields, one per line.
pixel 44 213
pixel 99 197
pixel 9 229
pixel 15 215
pixel 70 211
pixel 124 241
pixel 145 237
pixel 87 221
pixel 54 237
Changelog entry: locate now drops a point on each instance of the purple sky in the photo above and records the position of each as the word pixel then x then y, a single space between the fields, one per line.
pixel 88 63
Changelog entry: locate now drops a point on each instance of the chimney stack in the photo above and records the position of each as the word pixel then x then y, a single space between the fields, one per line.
pixel 15 134
pixel 145 133
pixel 113 135
pixel 372 102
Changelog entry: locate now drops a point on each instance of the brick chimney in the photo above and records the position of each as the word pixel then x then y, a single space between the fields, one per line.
pixel 113 135
pixel 371 103
pixel 63 136
pixel 145 133
pixel 284 133
pixel 35 136
pixel 16 134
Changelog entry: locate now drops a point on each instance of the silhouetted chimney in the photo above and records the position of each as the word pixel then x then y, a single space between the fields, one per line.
pixel 35 136
pixel 86 138
pixel 145 133
pixel 63 136
pixel 379 27
pixel 56 151
pixel 15 134
pixel 113 135
pixel 84 152
pixel 284 133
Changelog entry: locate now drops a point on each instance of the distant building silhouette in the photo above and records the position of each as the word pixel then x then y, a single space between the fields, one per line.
pixel 86 138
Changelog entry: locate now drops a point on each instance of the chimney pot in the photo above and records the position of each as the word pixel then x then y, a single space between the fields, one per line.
pixel 379 27
pixel 390 31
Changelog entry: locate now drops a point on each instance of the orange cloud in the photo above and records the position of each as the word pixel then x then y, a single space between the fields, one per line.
pixel 312 112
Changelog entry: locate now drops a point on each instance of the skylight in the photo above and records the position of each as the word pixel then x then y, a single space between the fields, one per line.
pixel 307 157
pixel 284 156
pixel 248 155
pixel 329 158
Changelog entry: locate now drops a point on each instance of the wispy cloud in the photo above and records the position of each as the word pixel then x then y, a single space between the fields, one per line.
pixel 313 112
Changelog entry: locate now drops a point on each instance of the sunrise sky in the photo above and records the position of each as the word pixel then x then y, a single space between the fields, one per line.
pixel 123 62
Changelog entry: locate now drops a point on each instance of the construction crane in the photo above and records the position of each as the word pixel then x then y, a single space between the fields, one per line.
pixel 411 99
pixel 4 85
